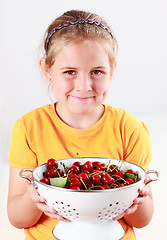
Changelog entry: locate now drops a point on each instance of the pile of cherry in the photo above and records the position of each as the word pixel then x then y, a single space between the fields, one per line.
pixel 88 176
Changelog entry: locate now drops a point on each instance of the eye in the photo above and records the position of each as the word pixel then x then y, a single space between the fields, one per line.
pixel 96 72
pixel 70 72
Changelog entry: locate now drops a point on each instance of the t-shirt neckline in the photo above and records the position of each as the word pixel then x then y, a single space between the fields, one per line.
pixel 59 123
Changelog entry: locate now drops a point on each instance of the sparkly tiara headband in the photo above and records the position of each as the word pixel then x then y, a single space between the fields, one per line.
pixel 73 22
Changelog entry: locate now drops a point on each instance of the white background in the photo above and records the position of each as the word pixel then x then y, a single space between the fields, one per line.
pixel 139 84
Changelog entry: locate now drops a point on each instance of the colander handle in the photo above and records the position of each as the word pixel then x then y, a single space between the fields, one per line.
pixel 151 179
pixel 28 178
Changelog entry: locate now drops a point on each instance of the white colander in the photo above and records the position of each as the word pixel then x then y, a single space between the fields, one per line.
pixel 90 211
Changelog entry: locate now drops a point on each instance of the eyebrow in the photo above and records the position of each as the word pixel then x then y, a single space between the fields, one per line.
pixel 97 67
pixel 67 68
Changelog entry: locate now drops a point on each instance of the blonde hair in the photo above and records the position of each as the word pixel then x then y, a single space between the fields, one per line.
pixel 78 32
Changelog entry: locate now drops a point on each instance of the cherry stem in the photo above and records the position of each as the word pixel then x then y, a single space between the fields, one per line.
pixel 123 163
pixel 95 173
pixel 120 178
pixel 65 168
pixel 57 171
pixel 79 157
pixel 83 183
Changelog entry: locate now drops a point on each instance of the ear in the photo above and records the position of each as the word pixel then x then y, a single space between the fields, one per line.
pixel 113 69
pixel 45 69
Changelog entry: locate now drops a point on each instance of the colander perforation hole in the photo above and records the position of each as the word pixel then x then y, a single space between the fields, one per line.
pixel 66 210
pixel 111 210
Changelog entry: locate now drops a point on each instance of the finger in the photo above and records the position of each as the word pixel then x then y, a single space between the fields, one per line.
pixel 139 200
pixel 118 217
pixel 34 194
pixel 131 210
pixel 56 216
pixel 45 208
pixel 144 192
pixel 128 211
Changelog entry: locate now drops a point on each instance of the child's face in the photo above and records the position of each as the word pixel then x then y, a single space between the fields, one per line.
pixel 81 76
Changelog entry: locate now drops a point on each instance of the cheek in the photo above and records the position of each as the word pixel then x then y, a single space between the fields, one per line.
pixel 62 86
pixel 101 87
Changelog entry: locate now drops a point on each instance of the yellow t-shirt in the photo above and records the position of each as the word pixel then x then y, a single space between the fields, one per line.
pixel 41 134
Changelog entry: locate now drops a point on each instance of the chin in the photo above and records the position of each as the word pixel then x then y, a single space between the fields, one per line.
pixel 81 110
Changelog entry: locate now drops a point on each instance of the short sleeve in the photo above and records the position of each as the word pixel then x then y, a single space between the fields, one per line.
pixel 20 153
pixel 138 148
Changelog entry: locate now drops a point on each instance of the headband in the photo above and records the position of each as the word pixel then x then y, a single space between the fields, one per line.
pixel 73 22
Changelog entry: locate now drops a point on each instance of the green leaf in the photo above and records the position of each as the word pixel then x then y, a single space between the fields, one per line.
pixel 58 181
pixel 131 175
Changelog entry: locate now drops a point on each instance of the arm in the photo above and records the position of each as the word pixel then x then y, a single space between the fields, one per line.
pixel 25 206
pixel 137 149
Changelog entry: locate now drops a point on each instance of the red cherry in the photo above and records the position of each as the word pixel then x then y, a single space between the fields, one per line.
pixel 102 174
pixel 95 164
pixel 102 167
pixel 74 169
pixel 88 166
pixel 51 173
pixel 73 175
pixel 90 185
pixel 60 172
pixel 121 185
pixel 86 171
pixel 129 181
pixel 84 177
pixel 79 164
pixel 107 179
pixel 52 163
pixel 114 169
pixel 75 188
pixel 97 171
pixel 96 178
pixel 119 174
pixel 113 185
pixel 45 180
pixel 130 171
pixel 106 186
pixel 99 186
pixel 75 182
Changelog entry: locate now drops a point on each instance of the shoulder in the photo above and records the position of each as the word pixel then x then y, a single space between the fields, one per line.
pixel 37 113
pixel 44 110
pixel 122 116
pixel 125 122
pixel 35 118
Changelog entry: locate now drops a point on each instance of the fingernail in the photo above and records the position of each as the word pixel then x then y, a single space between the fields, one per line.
pixel 42 199
pixel 52 211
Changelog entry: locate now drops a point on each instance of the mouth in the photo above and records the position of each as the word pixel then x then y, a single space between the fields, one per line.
pixel 82 99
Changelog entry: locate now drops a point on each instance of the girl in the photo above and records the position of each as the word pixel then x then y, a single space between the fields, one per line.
pixel 79 61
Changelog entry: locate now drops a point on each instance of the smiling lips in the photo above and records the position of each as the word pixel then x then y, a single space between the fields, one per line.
pixel 82 98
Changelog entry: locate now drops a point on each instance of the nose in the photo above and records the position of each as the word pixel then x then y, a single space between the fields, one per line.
pixel 83 83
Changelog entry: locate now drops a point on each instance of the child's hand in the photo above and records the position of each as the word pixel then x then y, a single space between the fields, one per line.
pixel 41 205
pixel 139 200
